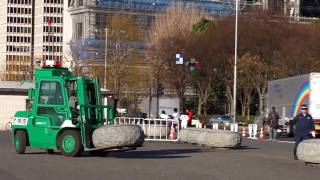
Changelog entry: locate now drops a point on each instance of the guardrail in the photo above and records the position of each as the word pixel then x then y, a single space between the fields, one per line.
pixel 154 129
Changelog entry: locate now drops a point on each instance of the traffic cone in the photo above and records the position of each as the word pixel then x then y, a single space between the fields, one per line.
pixel 244 132
pixel 172 135
pixel 261 136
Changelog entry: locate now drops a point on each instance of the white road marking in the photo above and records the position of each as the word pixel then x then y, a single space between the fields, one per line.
pixel 290 142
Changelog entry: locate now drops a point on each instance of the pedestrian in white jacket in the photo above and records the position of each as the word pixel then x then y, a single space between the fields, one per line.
pixel 184 121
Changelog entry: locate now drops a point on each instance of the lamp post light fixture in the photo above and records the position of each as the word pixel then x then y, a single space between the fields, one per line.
pixel 236 8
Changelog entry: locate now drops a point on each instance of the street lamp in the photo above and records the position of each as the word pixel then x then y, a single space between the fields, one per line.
pixel 235 65
pixel 105 60
pixel 237 8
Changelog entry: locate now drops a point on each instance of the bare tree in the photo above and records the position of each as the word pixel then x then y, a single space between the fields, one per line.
pixel 169 36
pixel 299 50
pixel 118 62
pixel 246 82
pixel 206 73
pixel 76 46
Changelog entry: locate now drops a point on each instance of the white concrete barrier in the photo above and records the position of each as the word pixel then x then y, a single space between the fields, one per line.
pixel 309 151
pixel 211 138
pixel 110 136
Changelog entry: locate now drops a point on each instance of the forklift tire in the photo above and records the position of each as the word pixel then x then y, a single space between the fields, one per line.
pixel 20 141
pixel 70 143
pixel 49 151
pixel 98 153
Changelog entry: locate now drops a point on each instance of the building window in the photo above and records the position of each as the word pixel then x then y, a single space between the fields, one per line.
pixel 79 30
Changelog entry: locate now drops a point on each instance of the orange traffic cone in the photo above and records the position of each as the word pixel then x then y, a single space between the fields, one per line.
pixel 244 132
pixel 172 135
pixel 261 136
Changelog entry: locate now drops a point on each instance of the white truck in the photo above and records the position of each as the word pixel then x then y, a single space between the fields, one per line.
pixel 287 95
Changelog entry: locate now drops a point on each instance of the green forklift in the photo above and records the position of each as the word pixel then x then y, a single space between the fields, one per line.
pixel 62 112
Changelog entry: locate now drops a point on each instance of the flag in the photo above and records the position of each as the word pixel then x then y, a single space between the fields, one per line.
pixel 49 21
pixel 179 59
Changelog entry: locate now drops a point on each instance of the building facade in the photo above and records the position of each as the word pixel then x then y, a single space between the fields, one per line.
pixel 48 28
pixel 29 30
pixel 15 38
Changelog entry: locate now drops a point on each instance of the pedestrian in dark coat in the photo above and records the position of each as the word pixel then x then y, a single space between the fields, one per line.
pixel 273 121
pixel 304 128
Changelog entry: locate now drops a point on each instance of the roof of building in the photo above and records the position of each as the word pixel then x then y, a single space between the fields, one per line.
pixel 15 86
pixel 211 7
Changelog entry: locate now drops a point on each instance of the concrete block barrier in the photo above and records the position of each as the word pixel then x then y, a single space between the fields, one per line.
pixel 110 136
pixel 211 138
pixel 309 151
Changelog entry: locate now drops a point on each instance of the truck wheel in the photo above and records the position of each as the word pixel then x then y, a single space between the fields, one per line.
pixel 70 143
pixel 20 141
pixel 98 153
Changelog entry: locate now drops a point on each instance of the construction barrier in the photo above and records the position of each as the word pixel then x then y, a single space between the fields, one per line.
pixel 199 125
pixel 163 129
pixel 252 130
pixel 128 120
pixel 262 135
pixel 215 126
pixel 244 132
pixel 235 128
pixel 232 128
pixel 154 129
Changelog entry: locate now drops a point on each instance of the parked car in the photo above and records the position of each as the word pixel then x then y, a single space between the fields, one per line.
pixel 225 120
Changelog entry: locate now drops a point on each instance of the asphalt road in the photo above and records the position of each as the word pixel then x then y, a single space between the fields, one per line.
pixel 256 160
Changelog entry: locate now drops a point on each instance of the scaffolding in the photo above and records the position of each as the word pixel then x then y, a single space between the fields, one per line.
pixel 95 15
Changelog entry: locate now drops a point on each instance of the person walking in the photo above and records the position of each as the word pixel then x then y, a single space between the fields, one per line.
pixel 273 122
pixel 176 117
pixel 184 121
pixel 304 127
pixel 189 113
pixel 163 115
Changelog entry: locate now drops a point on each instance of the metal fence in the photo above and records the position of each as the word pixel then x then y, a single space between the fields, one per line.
pixel 166 130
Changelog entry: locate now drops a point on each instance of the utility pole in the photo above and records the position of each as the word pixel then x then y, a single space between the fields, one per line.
pixel 158 82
